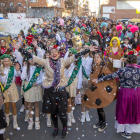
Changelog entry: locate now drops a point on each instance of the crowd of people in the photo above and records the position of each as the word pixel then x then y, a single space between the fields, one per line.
pixel 68 61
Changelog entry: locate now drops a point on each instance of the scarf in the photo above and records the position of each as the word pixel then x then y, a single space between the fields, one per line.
pixel 55 65
pixel 3 50
pixel 133 65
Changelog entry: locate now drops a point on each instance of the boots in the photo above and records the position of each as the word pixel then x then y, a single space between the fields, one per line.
pixel 72 116
pixel 83 117
pixel 49 120
pixel 69 119
pixel 101 125
pixel 15 125
pixel 26 116
pixel 87 116
pixel 7 119
pixel 100 120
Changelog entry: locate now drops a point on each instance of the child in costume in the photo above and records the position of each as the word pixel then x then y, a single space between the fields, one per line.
pixel 126 44
pixel 32 89
pixel 120 33
pixel 73 74
pixel 128 101
pixel 10 92
pixel 128 32
pixel 20 58
pixel 99 95
pixel 86 67
pixel 4 46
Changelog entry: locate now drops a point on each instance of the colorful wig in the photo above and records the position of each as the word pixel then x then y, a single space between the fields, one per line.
pixel 129 26
pixel 115 38
pixel 103 24
pixel 119 27
pixel 134 28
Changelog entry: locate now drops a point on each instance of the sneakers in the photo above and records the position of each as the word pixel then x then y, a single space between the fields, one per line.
pixel 126 135
pixel 72 117
pixel 15 125
pixel 30 126
pixel 49 121
pixel 83 117
pixel 55 133
pixel 64 133
pixel 26 117
pixel 97 125
pixel 22 108
pixel 102 127
pixel 37 125
pixel 87 116
pixel 69 120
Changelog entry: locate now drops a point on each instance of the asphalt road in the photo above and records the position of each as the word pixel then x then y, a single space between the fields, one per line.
pixel 78 131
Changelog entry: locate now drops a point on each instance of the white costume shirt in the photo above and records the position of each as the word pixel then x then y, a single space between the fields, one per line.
pixel 32 69
pixel 68 72
pixel 4 78
pixel 19 57
pixel 86 63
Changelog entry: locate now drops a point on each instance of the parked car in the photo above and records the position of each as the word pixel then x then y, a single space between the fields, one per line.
pixel 105 18
pixel 123 20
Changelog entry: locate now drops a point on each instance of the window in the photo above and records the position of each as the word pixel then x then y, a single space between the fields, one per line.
pixel 11 4
pixel 19 4
pixel 32 0
pixel 2 4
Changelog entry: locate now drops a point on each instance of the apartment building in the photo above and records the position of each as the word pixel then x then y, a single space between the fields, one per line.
pixel 118 9
pixel 12 6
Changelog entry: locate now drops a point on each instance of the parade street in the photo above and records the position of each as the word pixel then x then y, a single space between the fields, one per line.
pixel 78 131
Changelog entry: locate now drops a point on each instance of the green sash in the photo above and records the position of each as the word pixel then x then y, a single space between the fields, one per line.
pixel 10 78
pixel 84 72
pixel 33 79
pixel 75 72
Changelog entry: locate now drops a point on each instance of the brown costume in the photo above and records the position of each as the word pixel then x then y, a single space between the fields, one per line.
pixel 99 95
pixel 109 53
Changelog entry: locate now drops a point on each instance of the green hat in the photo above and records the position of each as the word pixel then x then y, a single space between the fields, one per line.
pixel 5 56
pixel 87 44
pixel 29 48
pixel 87 33
pixel 76 33
pixel 72 50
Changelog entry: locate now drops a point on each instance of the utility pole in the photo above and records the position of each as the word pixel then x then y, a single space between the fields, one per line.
pixel 99 9
pixel 27 8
